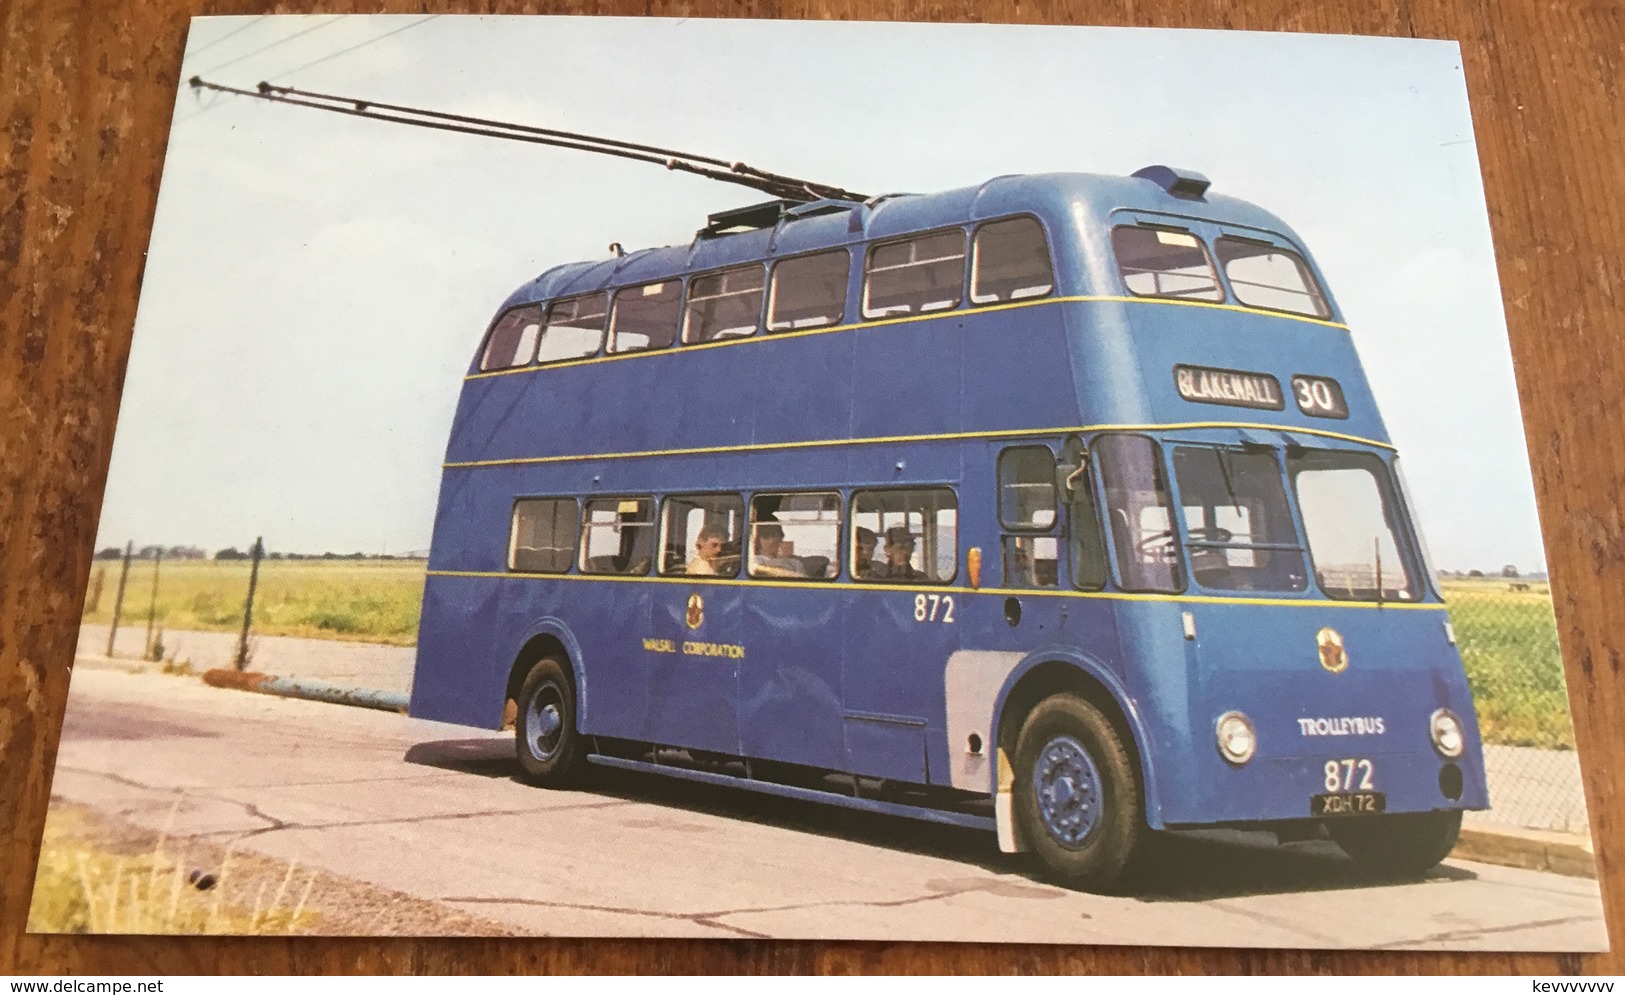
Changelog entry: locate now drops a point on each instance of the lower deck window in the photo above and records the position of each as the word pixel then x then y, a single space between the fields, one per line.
pixel 917 532
pixel 795 535
pixel 619 536
pixel 701 535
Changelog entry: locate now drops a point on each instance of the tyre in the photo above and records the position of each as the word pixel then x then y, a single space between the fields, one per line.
pixel 550 749
pixel 1406 844
pixel 1078 804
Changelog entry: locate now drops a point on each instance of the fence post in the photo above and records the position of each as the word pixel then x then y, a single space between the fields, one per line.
pixel 118 599
pixel 152 605
pixel 96 584
pixel 248 606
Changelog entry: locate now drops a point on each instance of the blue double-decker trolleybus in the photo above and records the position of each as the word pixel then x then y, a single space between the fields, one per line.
pixel 1058 506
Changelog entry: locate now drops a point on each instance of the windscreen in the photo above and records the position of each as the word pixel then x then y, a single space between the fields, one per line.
pixel 1238 524
pixel 1352 518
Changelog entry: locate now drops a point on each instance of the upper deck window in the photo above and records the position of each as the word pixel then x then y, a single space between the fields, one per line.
pixel 1010 262
pixel 915 275
pixel 809 291
pixel 1158 262
pixel 724 305
pixel 575 328
pixel 513 339
pixel 645 317
pixel 1268 276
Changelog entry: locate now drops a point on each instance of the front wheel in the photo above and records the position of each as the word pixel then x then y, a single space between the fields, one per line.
pixel 1078 805
pixel 1405 844
pixel 545 738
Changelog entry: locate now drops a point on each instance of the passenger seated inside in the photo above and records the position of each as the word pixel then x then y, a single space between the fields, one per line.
pixel 899 550
pixel 709 560
pixel 768 558
pixel 863 561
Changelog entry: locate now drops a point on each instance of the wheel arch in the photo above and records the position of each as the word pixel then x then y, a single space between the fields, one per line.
pixel 1052 672
pixel 545 637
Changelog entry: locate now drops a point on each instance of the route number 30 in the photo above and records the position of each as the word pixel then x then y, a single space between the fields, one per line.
pixel 934 608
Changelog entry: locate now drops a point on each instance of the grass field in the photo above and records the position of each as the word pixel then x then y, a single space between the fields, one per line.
pixel 1508 638
pixel 371 600
pixel 94 879
pixel 1508 642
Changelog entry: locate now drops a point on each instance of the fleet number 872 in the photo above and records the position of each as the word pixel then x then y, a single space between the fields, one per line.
pixel 1349 775
pixel 934 608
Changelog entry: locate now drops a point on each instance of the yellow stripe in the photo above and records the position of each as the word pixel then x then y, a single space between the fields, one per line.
pixel 757 447
pixel 904 320
pixel 1194 599
pixel 1220 307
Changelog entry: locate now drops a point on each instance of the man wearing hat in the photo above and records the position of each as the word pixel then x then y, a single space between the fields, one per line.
pixel 864 565
pixel 899 550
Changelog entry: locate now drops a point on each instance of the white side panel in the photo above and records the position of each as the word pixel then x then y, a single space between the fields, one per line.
pixel 973 681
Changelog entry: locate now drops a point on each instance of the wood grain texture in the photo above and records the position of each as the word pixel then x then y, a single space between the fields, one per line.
pixel 86 88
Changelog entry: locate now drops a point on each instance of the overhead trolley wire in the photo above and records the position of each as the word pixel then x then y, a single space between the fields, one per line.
pixel 776 184
pixel 352 48
pixel 234 32
pixel 280 41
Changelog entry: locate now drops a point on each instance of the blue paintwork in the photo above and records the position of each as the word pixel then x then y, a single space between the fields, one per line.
pixel 842 677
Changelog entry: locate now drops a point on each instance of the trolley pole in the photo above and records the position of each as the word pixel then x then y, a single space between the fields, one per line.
pixel 152 605
pixel 118 599
pixel 248 606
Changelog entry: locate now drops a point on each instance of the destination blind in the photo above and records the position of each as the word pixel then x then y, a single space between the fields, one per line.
pixel 1238 388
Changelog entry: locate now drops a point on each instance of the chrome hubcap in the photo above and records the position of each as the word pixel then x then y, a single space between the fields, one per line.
pixel 544 722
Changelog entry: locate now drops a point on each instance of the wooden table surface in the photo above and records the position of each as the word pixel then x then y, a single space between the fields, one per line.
pixel 86 88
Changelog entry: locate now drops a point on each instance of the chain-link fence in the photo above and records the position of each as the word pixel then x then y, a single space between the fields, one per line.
pixel 1508 639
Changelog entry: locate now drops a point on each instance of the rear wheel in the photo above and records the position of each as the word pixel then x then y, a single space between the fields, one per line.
pixel 1405 844
pixel 549 748
pixel 1077 800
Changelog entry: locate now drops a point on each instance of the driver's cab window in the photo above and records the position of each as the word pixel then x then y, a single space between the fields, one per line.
pixel 1145 542
pixel 1238 524
pixel 1027 513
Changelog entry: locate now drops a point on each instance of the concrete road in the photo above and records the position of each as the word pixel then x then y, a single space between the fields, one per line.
pixel 1530 788
pixel 434 811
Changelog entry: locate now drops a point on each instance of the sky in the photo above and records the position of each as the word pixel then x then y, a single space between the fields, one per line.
pixel 317 284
